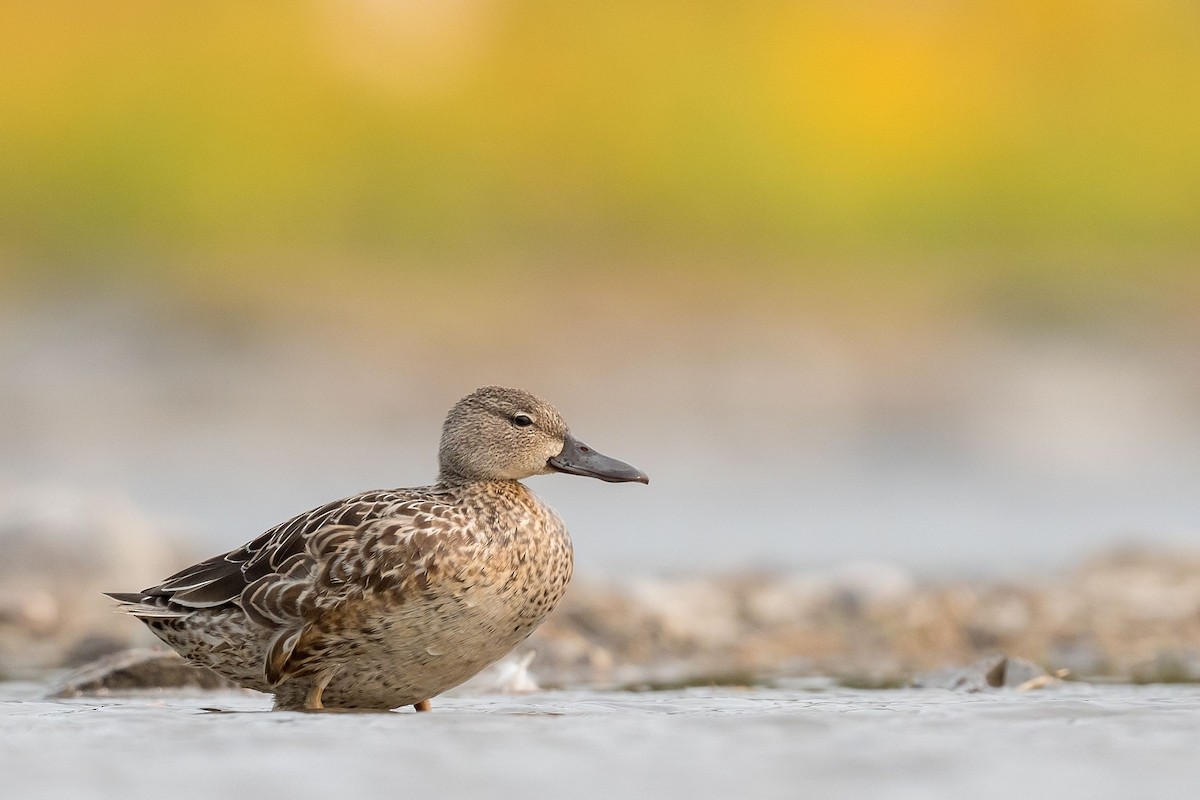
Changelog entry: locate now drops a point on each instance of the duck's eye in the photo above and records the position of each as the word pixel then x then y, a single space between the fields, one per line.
pixel 522 421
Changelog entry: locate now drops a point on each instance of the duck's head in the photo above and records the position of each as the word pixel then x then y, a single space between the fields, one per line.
pixel 509 434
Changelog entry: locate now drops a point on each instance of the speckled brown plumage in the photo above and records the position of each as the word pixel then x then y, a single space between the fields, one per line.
pixel 389 598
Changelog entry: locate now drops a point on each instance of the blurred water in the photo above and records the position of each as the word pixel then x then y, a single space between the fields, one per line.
pixel 1075 741
pixel 770 440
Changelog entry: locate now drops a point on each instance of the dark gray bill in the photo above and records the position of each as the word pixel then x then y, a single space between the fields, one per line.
pixel 577 458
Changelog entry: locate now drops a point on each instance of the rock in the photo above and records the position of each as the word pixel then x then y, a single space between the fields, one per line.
pixel 993 672
pixel 59 551
pixel 983 674
pixel 1021 673
pixel 139 670
pixel 92 647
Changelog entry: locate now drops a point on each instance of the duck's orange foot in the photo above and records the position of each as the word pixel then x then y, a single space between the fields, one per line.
pixel 423 706
pixel 313 701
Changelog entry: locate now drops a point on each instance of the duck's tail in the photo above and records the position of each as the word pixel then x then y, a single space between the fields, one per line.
pixel 145 606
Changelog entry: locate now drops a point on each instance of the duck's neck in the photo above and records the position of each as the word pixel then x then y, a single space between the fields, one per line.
pixel 489 497
pixel 452 480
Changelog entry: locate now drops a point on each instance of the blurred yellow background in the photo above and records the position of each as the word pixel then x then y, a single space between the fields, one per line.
pixel 922 277
pixel 804 138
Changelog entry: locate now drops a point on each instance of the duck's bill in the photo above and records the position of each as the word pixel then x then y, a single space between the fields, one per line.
pixel 577 458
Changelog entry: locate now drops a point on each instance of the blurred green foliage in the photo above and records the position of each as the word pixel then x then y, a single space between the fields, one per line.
pixel 189 132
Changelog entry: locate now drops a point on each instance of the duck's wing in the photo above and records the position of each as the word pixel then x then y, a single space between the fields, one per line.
pixel 222 580
pixel 298 572
pixel 389 560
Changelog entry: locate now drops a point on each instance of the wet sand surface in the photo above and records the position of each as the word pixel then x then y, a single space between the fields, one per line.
pixel 1074 740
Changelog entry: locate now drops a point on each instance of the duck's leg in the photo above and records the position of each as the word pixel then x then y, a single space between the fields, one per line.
pixel 423 706
pixel 313 701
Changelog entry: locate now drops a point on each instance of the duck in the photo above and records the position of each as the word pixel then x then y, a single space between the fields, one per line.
pixel 391 597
